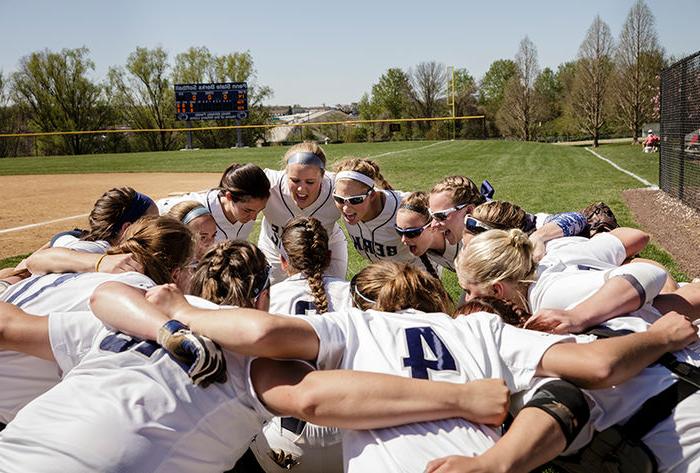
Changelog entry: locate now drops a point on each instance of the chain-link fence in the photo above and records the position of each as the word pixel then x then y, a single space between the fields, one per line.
pixel 679 161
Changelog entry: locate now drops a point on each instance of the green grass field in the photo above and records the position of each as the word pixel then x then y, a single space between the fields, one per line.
pixel 539 177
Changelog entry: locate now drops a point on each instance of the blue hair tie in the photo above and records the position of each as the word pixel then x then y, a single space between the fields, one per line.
pixel 137 208
pixel 487 190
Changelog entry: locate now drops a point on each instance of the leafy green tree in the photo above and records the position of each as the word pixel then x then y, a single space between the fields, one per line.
pixel 392 94
pixel 194 66
pixel 639 60
pixel 465 89
pixel 493 84
pixel 144 96
pixel 56 92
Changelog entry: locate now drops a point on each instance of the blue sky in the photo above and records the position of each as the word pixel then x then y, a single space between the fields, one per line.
pixel 314 52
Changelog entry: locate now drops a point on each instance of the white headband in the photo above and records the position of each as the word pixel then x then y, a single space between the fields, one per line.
pixel 355 176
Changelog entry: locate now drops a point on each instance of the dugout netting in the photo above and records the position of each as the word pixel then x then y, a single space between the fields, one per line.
pixel 679 159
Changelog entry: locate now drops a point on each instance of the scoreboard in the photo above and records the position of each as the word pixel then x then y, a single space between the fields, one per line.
pixel 217 101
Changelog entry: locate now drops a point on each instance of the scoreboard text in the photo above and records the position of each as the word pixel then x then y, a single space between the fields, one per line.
pixel 218 101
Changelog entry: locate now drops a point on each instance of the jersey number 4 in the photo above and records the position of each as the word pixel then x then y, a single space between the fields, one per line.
pixel 437 358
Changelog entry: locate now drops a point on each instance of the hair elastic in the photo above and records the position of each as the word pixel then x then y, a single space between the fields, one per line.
pixel 194 213
pixel 414 208
pixel 355 176
pixel 307 158
pixel 137 208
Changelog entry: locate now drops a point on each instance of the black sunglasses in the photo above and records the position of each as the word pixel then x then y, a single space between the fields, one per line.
pixel 475 226
pixel 411 233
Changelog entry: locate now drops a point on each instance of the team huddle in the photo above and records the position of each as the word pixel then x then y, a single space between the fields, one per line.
pixel 161 340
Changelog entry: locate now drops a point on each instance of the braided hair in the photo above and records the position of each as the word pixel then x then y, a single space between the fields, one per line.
pixel 510 312
pixel 231 273
pixel 306 243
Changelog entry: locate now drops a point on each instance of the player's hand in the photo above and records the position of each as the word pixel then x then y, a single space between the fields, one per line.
pixel 539 248
pixel 457 464
pixel 555 321
pixel 678 329
pixel 170 300
pixel 486 401
pixel 200 357
pixel 121 263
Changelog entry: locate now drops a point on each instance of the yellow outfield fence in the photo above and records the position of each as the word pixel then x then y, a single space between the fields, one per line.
pixel 237 127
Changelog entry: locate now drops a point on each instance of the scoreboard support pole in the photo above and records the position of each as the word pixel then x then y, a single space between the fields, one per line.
pixel 239 138
pixel 189 135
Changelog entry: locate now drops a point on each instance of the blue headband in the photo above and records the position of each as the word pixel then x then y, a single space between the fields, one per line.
pixel 307 158
pixel 194 213
pixel 137 208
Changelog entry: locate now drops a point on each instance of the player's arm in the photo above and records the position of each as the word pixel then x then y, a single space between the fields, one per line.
pixel 64 260
pixel 532 440
pixel 246 331
pixel 632 239
pixel 558 226
pixel 604 363
pixel 126 309
pixel 24 333
pixel 626 290
pixel 339 398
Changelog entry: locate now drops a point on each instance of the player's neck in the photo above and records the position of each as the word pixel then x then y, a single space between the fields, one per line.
pixel 377 201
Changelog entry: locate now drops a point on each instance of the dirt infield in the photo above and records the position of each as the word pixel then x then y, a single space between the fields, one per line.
pixel 28 200
pixel 674 226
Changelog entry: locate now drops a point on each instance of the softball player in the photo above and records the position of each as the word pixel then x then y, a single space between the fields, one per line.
pixel 200 222
pixel 581 285
pixel 305 256
pixel 159 421
pixel 413 225
pixel 368 206
pixel 420 345
pixel 242 193
pixel 303 189
pixel 150 240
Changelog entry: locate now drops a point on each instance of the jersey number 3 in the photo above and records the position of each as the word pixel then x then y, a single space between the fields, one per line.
pixel 417 339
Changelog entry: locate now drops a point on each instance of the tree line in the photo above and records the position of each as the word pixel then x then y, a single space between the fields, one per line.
pixel 53 91
pixel 611 87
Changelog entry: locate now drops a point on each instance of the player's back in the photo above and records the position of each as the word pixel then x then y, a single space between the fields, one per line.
pixel 428 346
pixel 292 296
pixel 24 377
pixel 128 406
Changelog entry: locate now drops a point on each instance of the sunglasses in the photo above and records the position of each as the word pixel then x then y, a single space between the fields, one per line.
pixel 351 200
pixel 443 215
pixel 259 289
pixel 355 294
pixel 475 226
pixel 411 233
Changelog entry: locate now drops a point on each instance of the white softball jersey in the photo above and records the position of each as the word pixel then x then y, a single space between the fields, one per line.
pixel 293 295
pixel 281 208
pixel 428 346
pixel 580 271
pixel 225 230
pixel 377 239
pixel 73 243
pixel 128 406
pixel 24 377
pixel 447 258
pixel 316 448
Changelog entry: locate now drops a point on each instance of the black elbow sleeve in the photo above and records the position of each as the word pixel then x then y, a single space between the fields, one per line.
pixel 566 404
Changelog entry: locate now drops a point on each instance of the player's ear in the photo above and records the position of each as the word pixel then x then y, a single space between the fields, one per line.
pixel 499 290
pixel 263 301
pixel 284 263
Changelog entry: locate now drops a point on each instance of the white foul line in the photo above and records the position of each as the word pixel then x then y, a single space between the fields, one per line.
pixel 640 179
pixel 24 227
pixel 407 149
